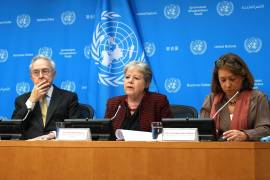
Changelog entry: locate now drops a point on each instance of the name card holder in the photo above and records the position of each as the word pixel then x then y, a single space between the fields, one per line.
pixel 73 134
pixel 180 134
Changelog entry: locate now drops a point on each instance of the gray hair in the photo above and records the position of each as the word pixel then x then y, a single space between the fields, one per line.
pixel 42 57
pixel 143 68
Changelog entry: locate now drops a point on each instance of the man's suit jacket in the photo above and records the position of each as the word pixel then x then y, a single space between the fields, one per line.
pixel 154 107
pixel 63 105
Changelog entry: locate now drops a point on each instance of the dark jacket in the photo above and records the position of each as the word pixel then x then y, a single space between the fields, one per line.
pixel 258 115
pixel 63 105
pixel 154 107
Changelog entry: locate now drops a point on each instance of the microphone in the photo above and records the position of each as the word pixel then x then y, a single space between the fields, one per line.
pixel 225 105
pixel 28 111
pixel 115 114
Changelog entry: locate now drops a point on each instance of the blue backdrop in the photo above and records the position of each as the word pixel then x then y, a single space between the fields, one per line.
pixel 92 40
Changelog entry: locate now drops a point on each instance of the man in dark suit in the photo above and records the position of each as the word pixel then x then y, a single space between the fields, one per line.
pixel 46 104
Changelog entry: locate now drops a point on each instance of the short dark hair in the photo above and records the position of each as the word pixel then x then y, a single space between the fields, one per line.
pixel 237 66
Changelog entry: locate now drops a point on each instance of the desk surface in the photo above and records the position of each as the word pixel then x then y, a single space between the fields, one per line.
pixel 134 160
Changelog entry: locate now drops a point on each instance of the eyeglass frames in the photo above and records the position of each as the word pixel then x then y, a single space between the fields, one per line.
pixel 45 72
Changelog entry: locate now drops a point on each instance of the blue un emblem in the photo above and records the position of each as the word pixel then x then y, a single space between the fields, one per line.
pixel 68 85
pixel 253 45
pixel 45 51
pixel 114 45
pixel 149 48
pixel 225 8
pixel 22 87
pixel 87 52
pixel 198 47
pixel 68 17
pixel 172 85
pixel 172 11
pixel 3 55
pixel 23 20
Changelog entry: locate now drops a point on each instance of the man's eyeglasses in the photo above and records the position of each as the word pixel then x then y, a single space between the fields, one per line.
pixel 44 72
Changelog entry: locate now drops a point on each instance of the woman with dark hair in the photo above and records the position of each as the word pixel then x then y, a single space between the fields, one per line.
pixel 240 112
pixel 138 107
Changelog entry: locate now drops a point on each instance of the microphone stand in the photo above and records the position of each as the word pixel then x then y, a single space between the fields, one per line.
pixel 225 104
pixel 116 112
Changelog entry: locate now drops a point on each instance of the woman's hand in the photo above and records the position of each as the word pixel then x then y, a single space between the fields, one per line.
pixel 235 135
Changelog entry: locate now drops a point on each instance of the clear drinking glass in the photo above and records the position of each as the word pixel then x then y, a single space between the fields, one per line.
pixel 156 129
pixel 58 126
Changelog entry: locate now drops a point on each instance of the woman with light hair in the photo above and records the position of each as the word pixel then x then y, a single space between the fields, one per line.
pixel 138 107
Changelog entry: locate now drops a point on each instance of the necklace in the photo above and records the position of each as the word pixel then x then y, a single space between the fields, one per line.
pixel 133 107
pixel 232 103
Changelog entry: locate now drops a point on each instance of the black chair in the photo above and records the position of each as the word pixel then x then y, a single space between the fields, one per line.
pixel 183 111
pixel 86 111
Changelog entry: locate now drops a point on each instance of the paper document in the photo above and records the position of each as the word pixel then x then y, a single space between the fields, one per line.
pixel 129 135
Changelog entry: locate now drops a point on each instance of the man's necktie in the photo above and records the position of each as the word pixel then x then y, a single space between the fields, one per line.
pixel 44 108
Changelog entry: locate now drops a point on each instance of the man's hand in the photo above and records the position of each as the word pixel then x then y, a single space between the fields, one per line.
pixel 49 136
pixel 39 91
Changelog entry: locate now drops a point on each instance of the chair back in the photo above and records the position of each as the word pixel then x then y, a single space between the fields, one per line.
pixel 86 111
pixel 183 111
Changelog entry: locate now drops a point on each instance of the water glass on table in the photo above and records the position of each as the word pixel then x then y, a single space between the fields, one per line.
pixel 156 129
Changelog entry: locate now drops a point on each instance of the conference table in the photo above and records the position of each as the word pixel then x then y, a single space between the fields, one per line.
pixel 119 160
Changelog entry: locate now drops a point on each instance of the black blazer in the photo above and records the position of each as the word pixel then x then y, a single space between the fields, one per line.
pixel 63 105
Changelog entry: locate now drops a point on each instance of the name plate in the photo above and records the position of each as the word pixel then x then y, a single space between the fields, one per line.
pixel 74 134
pixel 180 134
